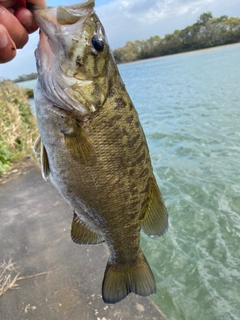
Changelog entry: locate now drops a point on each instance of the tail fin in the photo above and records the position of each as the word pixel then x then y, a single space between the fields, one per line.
pixel 118 281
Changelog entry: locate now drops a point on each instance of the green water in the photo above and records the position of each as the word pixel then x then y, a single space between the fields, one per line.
pixel 189 106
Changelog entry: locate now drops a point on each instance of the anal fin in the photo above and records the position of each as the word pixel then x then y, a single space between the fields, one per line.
pixel 155 221
pixel 82 235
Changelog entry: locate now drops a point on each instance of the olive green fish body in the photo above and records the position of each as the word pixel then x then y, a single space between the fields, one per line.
pixel 94 150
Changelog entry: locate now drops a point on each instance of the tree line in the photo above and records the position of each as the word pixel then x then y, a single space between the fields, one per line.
pixel 207 32
pixel 26 77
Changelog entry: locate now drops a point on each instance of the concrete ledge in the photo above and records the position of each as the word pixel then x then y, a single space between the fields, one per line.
pixel 35 233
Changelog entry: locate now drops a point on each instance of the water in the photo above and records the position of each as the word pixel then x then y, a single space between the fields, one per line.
pixel 30 84
pixel 189 106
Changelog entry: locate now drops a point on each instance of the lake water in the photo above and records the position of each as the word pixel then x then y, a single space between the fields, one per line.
pixel 189 106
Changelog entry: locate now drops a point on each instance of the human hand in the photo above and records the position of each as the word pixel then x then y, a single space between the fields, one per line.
pixel 16 22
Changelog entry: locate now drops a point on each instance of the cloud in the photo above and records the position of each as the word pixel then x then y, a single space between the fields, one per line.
pixel 150 11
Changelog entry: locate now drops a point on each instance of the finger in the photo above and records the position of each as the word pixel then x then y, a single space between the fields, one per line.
pixel 26 18
pixel 8 3
pixel 15 29
pixel 7 46
pixel 37 2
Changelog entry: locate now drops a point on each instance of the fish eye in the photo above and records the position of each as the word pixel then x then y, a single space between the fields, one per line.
pixel 97 43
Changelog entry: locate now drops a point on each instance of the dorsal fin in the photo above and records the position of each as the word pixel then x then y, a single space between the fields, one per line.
pixel 155 221
pixel 81 234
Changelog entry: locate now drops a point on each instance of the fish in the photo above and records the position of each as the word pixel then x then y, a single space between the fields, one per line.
pixel 92 146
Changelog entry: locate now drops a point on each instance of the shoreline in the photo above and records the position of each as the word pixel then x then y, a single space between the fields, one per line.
pixel 182 53
pixel 160 57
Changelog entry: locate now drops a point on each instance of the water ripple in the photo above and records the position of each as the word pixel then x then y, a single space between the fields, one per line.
pixel 189 108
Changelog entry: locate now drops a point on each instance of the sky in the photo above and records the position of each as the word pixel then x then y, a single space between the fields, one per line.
pixel 133 20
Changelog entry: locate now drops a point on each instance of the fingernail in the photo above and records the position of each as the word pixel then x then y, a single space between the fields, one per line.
pixel 3 40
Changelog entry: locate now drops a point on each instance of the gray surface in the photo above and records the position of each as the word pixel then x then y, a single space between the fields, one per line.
pixel 35 233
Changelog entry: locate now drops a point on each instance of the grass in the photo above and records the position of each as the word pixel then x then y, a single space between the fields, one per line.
pixel 18 128
pixel 8 276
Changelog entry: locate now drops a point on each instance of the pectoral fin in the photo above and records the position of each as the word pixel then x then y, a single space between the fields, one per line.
pixel 80 146
pixel 37 145
pixel 39 149
pixel 44 163
pixel 155 221
pixel 81 234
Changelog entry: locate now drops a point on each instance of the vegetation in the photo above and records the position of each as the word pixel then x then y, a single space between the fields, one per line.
pixel 8 276
pixel 205 33
pixel 30 93
pixel 26 77
pixel 18 128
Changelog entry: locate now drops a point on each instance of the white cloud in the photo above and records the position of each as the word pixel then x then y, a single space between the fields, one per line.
pixel 150 11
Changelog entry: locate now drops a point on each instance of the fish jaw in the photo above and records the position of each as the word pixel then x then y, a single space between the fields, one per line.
pixel 68 66
pixel 51 20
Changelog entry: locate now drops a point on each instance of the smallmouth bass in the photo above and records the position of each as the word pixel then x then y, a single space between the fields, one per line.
pixel 93 148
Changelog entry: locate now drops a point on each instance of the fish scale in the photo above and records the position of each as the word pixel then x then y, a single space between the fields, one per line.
pixel 93 148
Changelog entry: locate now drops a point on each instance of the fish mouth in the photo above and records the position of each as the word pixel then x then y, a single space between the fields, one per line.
pixel 51 20
pixel 68 64
pixel 57 25
pixel 87 4
pixel 47 18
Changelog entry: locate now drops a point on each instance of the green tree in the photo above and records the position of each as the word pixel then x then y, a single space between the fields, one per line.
pixel 206 32
pixel 149 47
pixel 127 53
pixel 205 18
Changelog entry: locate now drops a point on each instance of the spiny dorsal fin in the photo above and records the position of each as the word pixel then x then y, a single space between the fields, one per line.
pixel 44 163
pixel 80 146
pixel 155 221
pixel 81 234
pixel 119 281
pixel 37 145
